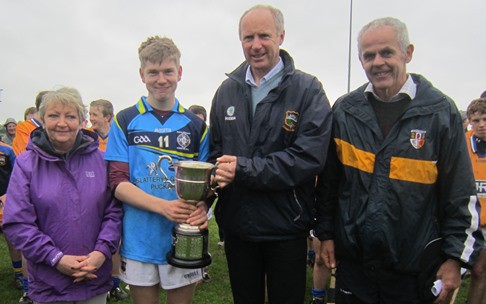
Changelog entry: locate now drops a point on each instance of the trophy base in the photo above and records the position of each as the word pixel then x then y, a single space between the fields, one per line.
pixel 189 247
pixel 203 262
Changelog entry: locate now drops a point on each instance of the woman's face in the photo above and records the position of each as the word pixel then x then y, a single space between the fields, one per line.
pixel 62 124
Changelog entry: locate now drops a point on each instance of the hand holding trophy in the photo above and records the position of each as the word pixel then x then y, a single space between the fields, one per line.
pixel 192 184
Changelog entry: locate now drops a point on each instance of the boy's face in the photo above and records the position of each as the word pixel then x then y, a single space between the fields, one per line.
pixel 161 80
pixel 478 124
pixel 98 121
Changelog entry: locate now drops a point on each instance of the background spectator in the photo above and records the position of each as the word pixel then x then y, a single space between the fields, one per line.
pixel 10 128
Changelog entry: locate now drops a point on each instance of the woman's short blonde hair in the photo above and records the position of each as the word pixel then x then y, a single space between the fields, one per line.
pixel 66 96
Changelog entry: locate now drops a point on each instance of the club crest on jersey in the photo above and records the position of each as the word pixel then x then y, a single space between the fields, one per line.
pixel 183 140
pixel 291 120
pixel 417 138
pixel 3 160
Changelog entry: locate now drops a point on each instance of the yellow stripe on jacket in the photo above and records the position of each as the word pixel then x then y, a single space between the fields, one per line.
pixel 405 169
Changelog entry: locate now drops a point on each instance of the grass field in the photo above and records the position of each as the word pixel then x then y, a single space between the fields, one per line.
pixel 215 292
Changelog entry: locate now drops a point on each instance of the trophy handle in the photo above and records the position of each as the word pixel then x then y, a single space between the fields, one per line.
pixel 169 159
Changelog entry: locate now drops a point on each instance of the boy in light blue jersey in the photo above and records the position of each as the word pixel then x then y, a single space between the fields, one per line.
pixel 155 125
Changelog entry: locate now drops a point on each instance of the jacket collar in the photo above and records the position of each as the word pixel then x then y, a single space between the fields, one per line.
pixel 427 97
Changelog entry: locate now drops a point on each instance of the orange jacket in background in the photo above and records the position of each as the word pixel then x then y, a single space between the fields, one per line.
pixel 479 168
pixel 24 128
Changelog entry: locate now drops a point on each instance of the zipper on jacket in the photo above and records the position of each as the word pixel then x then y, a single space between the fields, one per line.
pixel 298 204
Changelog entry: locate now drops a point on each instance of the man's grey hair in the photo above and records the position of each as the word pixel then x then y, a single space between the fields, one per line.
pixel 397 25
pixel 276 13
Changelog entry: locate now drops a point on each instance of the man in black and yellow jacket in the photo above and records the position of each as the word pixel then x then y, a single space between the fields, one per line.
pixel 397 178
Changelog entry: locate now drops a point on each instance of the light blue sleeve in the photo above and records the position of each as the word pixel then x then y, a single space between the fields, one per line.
pixel 117 146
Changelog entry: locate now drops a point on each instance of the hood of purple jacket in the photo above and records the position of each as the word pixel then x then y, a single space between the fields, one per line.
pixel 86 142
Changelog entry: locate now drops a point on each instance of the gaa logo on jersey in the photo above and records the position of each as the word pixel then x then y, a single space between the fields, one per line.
pixel 417 138
pixel 141 139
pixel 183 140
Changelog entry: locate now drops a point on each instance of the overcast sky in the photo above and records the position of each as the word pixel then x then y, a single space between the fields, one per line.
pixel 91 45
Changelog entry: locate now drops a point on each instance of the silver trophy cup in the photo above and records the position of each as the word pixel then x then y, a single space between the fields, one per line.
pixel 192 184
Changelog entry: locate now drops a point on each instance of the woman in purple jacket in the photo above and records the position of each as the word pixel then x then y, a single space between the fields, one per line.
pixel 59 212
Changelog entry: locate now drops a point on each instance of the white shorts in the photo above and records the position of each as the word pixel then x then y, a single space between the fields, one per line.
pixel 147 274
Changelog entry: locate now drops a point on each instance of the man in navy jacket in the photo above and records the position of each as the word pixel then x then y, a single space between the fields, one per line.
pixel 270 130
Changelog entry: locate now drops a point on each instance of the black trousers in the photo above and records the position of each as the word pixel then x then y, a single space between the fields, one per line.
pixel 282 263
pixel 373 284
